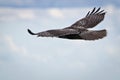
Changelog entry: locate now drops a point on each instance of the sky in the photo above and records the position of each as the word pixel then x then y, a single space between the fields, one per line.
pixel 26 57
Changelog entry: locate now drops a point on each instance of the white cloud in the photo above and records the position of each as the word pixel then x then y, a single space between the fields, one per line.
pixel 22 51
pixel 26 14
pixel 54 12
pixel 11 44
pixel 13 47
pixel 110 9
pixel 31 14
pixel 13 14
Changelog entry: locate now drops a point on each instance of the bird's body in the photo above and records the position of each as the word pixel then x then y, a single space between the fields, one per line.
pixel 79 30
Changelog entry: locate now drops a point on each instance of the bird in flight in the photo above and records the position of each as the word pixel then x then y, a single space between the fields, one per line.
pixel 79 30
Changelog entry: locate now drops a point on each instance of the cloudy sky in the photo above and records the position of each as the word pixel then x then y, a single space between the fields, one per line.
pixel 26 57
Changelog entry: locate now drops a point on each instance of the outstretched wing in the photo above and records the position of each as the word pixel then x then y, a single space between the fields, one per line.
pixel 93 35
pixel 54 33
pixel 91 19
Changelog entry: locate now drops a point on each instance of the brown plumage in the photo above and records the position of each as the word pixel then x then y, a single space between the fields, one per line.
pixel 79 30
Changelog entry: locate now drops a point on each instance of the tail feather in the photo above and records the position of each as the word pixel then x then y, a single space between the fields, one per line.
pixel 29 31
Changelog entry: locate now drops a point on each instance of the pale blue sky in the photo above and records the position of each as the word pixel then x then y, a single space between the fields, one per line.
pixel 26 57
pixel 56 3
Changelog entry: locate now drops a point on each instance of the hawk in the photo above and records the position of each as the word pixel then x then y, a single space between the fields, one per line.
pixel 79 30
